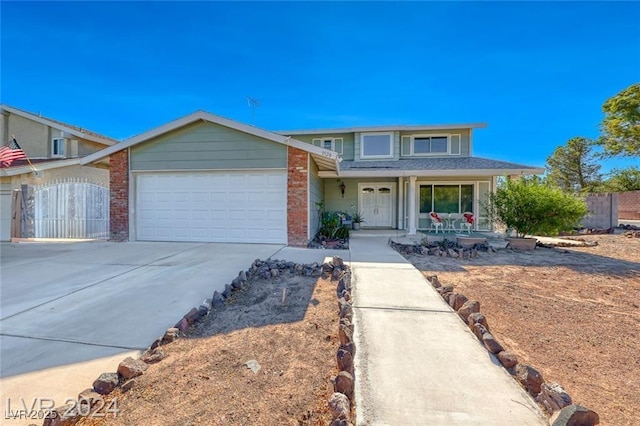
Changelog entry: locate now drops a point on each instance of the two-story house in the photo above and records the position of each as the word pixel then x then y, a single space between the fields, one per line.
pixel 51 194
pixel 207 178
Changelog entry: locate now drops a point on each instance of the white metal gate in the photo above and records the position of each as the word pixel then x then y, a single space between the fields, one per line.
pixel 71 209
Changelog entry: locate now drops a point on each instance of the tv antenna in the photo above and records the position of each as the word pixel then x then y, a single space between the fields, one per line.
pixel 253 104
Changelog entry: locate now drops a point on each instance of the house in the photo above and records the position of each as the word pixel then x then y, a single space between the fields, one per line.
pixel 207 178
pixel 52 194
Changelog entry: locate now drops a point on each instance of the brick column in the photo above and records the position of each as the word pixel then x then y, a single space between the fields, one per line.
pixel 119 198
pixel 297 197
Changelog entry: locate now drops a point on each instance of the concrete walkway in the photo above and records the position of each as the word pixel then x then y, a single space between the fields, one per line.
pixel 416 362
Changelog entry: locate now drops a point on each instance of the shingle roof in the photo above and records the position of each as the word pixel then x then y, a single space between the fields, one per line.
pixel 449 163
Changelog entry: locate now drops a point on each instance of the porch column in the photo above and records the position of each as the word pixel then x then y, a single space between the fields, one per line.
pixel 412 205
pixel 401 212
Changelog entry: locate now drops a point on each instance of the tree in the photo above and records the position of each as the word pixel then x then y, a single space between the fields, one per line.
pixel 621 180
pixel 530 207
pixel 621 124
pixel 573 167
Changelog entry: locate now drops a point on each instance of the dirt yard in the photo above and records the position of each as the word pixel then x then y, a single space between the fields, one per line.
pixel 204 379
pixel 572 313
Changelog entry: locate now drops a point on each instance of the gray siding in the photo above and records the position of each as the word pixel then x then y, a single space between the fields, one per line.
pixel 348 142
pixel 333 198
pixel 208 146
pixel 464 139
pixel 316 195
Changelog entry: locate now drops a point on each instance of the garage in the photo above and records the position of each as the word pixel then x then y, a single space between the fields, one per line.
pixel 213 206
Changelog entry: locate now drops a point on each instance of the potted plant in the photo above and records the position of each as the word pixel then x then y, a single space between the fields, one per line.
pixel 357 219
pixel 530 207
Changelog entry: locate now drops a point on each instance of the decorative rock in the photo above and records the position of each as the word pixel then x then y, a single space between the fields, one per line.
pixel 253 365
pixel 574 415
pixel 156 343
pixel 170 335
pixel 339 405
pixel 553 397
pixel 89 396
pixel 192 316
pixel 274 273
pixel 478 318
pixel 445 289
pixel 345 333
pixel 344 384
pixel 340 421
pixel 227 291
pixel 433 279
pixel 106 383
pixel 345 363
pixel 203 310
pixel 456 300
pixel 349 347
pixel 236 283
pixel 130 368
pixel 342 286
pixel 507 359
pixel 66 415
pixel 206 303
pixel 346 311
pixel 491 343
pixel 338 263
pixel 217 301
pixel 128 385
pixel 346 295
pixel 469 307
pixel 530 378
pixel 182 325
pixel 479 330
pixel 152 356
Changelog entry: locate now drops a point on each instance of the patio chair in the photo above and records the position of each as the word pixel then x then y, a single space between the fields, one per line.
pixel 468 221
pixel 436 221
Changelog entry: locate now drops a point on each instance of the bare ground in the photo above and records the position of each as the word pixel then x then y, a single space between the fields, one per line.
pixel 204 379
pixel 572 313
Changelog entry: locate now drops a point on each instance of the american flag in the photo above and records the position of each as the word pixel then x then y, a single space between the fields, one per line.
pixel 10 153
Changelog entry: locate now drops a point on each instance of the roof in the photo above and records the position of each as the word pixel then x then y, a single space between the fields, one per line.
pixel 326 159
pixel 449 166
pixel 18 169
pixel 65 127
pixel 387 128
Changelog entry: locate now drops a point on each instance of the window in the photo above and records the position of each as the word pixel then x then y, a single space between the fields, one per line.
pixel 58 146
pixel 423 145
pixel 333 144
pixel 376 145
pixel 446 198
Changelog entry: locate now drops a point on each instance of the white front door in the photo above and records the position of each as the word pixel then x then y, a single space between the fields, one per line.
pixel 376 204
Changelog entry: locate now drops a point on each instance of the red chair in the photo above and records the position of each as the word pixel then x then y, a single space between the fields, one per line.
pixel 468 221
pixel 436 221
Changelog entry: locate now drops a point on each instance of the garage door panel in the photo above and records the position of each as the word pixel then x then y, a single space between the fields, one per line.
pixel 212 206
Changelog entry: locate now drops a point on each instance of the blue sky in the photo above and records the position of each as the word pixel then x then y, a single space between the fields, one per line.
pixel 536 72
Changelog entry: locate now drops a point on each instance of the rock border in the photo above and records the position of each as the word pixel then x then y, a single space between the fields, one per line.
pixel 552 397
pixel 342 402
pixel 130 368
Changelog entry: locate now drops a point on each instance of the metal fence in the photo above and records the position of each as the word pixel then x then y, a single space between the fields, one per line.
pixel 71 209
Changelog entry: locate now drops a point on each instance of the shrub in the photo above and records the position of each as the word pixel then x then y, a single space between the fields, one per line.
pixel 530 207
pixel 331 226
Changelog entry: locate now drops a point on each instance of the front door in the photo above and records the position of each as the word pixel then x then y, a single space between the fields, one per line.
pixel 376 204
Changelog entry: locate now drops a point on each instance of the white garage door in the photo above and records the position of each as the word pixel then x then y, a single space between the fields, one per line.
pixel 5 215
pixel 244 207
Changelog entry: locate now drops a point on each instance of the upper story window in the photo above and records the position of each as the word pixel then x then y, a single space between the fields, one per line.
pixel 333 144
pixel 424 145
pixel 58 147
pixel 376 145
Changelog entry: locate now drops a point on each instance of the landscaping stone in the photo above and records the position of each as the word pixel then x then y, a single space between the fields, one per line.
pixel 152 356
pixel 479 330
pixel 170 335
pixel 350 347
pixel 128 385
pixel 345 361
pixel 553 397
pixel 106 383
pixel 445 289
pixel 182 325
pixel 66 415
pixel 130 368
pixel 507 359
pixel 457 301
pixel 574 415
pixel 192 316
pixel 340 421
pixel 339 405
pixel 530 378
pixel 469 307
pixel 337 262
pixel 217 301
pixel 477 318
pixel 227 291
pixel 433 279
pixel 491 343
pixel 344 384
pixel 345 333
pixel 346 311
pixel 90 396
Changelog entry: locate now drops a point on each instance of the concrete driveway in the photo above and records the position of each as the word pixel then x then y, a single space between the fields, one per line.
pixel 92 303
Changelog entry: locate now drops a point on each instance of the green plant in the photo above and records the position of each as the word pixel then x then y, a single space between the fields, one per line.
pixel 331 226
pixel 357 217
pixel 528 206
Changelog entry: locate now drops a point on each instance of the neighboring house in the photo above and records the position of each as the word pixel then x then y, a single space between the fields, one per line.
pixel 53 195
pixel 207 178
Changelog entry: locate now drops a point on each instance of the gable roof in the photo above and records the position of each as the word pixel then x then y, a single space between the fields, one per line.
pixel 444 166
pixel 65 127
pixel 387 128
pixel 326 159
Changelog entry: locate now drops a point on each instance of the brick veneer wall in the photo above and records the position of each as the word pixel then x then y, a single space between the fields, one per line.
pixel 297 197
pixel 119 200
pixel 629 205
